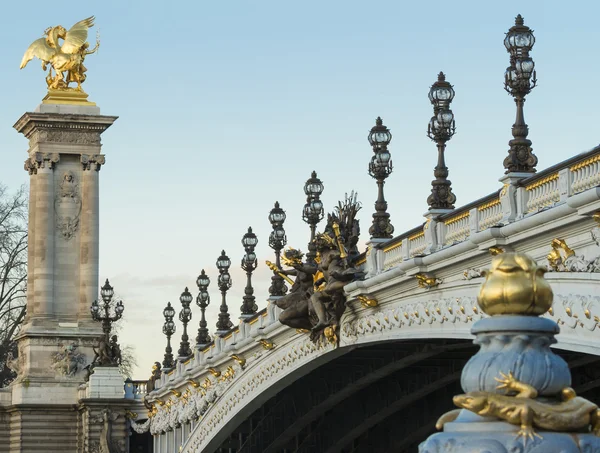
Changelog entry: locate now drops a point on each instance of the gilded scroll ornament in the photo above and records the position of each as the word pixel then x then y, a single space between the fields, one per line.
pixel 427 280
pixel 267 344
pixel 66 58
pixel 367 302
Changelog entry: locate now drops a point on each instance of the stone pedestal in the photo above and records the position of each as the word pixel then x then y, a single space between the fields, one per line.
pixel 102 423
pixel 106 382
pixel 515 377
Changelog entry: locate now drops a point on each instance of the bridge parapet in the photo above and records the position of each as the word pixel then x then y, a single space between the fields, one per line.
pixel 527 196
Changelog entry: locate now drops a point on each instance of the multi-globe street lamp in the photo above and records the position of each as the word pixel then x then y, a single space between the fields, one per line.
pixel 185 316
pixel 277 241
pixel 380 168
pixel 168 330
pixel 313 211
pixel 441 129
pixel 519 80
pixel 224 282
pixel 203 300
pixel 249 263
pixel 102 314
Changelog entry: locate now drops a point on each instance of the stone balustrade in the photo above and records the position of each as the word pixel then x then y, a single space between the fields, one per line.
pixel 139 389
pixel 533 194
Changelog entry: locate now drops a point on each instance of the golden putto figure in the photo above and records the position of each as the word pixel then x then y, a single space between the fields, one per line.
pixel 67 58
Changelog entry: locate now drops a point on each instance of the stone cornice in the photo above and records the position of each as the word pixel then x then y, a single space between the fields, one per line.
pixel 63 128
pixel 32 120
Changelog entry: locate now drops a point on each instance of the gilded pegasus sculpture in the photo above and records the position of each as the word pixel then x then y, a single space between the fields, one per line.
pixel 64 58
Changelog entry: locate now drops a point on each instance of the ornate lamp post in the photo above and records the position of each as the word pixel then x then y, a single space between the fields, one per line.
pixel 441 129
pixel 107 292
pixel 313 211
pixel 185 316
pixel 277 241
pixel 380 168
pixel 168 330
pixel 249 263
pixel 224 282
pixel 519 80
pixel 203 300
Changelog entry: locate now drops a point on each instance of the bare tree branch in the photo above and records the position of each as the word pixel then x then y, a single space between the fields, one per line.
pixel 13 273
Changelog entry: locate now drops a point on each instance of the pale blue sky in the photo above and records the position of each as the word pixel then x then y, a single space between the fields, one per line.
pixel 227 106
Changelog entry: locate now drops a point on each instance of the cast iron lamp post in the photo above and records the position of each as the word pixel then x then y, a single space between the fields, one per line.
pixel 185 316
pixel 380 168
pixel 102 314
pixel 224 282
pixel 519 80
pixel 441 129
pixel 203 300
pixel 249 263
pixel 168 330
pixel 277 241
pixel 313 211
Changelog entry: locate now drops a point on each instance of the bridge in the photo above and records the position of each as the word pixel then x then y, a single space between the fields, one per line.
pixel 403 338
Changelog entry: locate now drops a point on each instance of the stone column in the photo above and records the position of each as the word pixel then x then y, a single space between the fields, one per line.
pixel 89 248
pixel 31 169
pixel 43 235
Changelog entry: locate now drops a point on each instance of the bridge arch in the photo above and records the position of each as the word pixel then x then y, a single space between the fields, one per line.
pixel 408 331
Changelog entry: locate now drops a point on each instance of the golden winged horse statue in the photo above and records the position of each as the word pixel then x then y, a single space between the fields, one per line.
pixel 67 57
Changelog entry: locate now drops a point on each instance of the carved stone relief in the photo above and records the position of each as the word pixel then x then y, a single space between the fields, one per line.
pixel 67 206
pixel 68 361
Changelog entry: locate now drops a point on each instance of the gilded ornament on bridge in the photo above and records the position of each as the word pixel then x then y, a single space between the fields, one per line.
pixel 427 280
pixel 515 285
pixel 267 344
pixel 367 302
pixel 63 60
pixel 240 360
pixel 214 372
pixel 495 250
pixel 520 406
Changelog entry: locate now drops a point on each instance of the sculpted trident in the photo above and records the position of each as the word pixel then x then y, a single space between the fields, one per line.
pixel 64 58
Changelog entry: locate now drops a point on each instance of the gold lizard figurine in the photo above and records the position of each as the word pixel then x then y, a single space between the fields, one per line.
pixel 572 413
